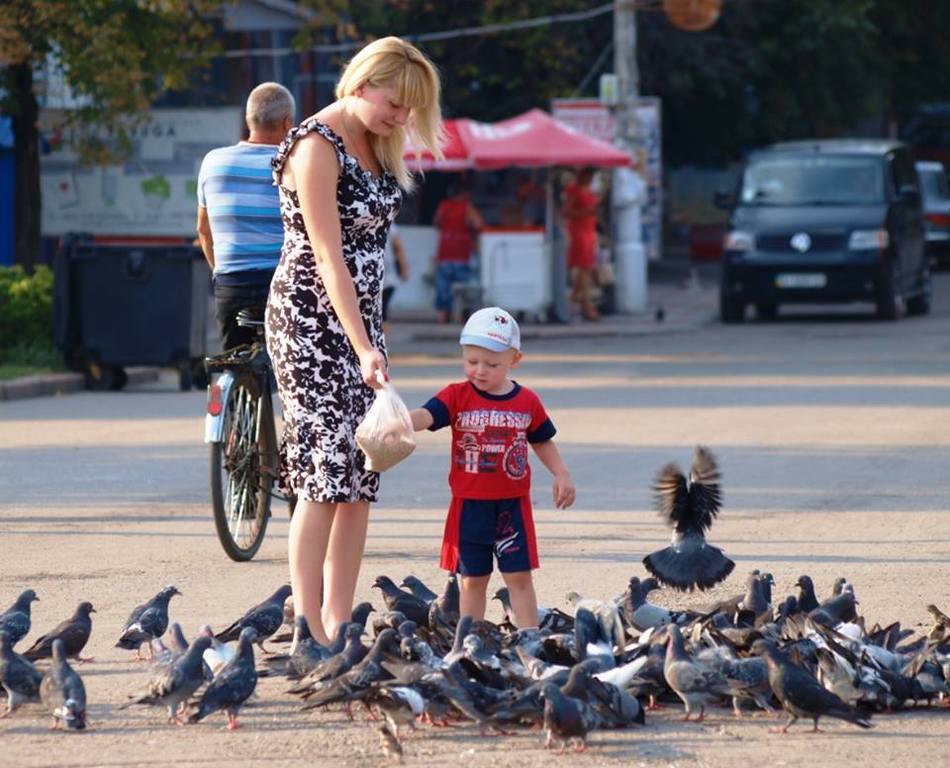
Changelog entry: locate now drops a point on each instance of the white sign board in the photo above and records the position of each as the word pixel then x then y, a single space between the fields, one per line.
pixel 593 118
pixel 153 193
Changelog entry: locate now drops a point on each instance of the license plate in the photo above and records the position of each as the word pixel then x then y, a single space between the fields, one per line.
pixel 801 280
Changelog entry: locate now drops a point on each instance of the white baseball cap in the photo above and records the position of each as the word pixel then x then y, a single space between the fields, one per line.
pixel 492 328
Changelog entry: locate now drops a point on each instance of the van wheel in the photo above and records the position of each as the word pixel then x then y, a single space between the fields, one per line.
pixel 920 304
pixel 887 298
pixel 766 311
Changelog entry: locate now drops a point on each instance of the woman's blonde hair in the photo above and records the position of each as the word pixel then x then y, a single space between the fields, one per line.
pixel 391 62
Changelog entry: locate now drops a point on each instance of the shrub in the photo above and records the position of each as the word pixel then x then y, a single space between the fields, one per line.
pixel 26 316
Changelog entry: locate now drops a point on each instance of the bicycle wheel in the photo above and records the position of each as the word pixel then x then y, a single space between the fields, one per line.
pixel 240 491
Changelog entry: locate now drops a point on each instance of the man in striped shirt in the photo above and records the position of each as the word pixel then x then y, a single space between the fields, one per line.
pixel 239 224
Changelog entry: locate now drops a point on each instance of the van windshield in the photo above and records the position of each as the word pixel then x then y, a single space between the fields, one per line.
pixel 813 180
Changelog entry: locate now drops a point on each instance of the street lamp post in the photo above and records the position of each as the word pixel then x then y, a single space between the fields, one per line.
pixel 627 192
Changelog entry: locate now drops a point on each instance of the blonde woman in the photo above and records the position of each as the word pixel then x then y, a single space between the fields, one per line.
pixel 340 176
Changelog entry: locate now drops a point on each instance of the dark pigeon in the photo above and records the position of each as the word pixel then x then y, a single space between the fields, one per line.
pixel 801 694
pixel 264 618
pixel 361 614
pixel 689 507
pixel 807 601
pixel 234 684
pixel 18 677
pixel 15 621
pixel 74 632
pixel 566 720
pixel 354 684
pixel 420 590
pixel 614 707
pixel 839 609
pixel 147 621
pixel 444 611
pixel 406 603
pixel 63 692
pixel 173 686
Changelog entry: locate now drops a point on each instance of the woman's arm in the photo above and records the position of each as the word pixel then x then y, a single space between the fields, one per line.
pixel 315 170
pixel 563 485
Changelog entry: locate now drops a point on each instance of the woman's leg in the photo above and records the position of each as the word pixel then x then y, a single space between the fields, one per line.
pixel 472 596
pixel 342 565
pixel 310 527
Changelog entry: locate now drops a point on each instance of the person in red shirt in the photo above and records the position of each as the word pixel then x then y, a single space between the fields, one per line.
pixel 458 222
pixel 580 211
pixel 494 420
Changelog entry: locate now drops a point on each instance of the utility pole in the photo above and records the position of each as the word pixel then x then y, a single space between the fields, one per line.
pixel 628 189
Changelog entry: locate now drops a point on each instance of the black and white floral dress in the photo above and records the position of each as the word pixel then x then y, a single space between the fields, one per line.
pixel 318 373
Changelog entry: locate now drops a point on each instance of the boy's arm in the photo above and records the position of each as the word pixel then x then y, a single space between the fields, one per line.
pixel 549 455
pixel 421 419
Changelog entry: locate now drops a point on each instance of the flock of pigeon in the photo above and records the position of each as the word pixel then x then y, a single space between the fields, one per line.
pixel 599 665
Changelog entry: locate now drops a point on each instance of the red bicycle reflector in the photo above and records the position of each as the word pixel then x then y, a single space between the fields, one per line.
pixel 214 400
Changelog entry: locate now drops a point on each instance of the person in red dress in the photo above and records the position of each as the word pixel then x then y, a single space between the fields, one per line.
pixel 458 222
pixel 580 211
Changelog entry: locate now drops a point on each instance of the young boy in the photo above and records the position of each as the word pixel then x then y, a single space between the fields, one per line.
pixel 493 420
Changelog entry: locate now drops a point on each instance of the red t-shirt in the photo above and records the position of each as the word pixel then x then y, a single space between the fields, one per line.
pixel 490 436
pixel 581 197
pixel 456 241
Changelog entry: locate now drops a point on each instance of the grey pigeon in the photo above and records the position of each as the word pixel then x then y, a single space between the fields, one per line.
pixel 801 694
pixel 642 614
pixel 420 590
pixel 598 629
pixel 74 632
pixel 307 653
pixel 338 664
pixel 689 507
pixel 264 618
pixel 18 677
pixel 406 603
pixel 147 621
pixel 695 683
pixel 566 720
pixel 444 612
pixel 234 684
pixel 173 686
pixel 63 692
pixel 15 621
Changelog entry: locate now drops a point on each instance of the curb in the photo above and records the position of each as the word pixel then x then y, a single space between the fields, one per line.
pixel 54 384
pixel 560 333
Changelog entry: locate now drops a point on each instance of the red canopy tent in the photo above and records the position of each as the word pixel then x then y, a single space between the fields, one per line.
pixel 531 140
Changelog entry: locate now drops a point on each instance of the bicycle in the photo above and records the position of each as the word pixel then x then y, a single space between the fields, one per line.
pixel 239 427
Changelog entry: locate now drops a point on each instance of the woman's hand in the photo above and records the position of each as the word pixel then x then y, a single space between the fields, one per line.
pixel 371 361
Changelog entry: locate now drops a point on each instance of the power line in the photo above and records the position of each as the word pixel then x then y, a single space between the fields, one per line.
pixel 488 29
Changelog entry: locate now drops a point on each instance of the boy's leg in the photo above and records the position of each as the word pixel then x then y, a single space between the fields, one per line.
pixel 472 596
pixel 524 601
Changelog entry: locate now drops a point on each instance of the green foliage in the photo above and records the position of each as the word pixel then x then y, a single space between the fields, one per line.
pixel 116 55
pixel 26 317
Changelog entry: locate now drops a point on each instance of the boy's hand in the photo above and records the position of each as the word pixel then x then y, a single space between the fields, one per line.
pixel 563 491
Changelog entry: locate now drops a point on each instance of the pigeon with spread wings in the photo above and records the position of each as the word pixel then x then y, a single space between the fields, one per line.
pixel 689 506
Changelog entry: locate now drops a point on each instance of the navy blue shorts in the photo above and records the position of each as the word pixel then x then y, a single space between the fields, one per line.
pixel 478 531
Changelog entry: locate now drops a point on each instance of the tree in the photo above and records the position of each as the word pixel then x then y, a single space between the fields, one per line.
pixel 116 55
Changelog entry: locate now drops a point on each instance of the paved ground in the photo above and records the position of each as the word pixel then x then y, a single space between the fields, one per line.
pixel 832 434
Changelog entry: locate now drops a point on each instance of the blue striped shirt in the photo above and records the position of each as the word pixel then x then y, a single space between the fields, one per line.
pixel 236 186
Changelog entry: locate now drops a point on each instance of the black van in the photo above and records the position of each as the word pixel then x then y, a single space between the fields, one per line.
pixel 825 222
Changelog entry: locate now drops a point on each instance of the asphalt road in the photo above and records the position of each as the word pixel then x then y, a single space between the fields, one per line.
pixel 832 431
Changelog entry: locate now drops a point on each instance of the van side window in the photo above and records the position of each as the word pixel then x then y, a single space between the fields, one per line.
pixel 902 168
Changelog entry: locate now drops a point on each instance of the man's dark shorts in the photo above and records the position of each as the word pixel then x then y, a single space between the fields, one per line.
pixel 479 531
pixel 236 291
